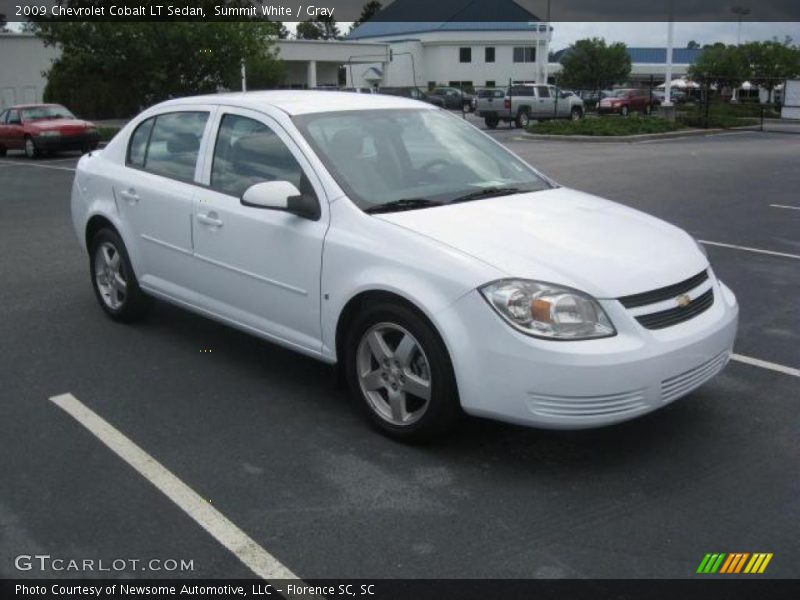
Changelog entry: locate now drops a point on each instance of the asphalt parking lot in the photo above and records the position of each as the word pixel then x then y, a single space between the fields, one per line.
pixel 262 435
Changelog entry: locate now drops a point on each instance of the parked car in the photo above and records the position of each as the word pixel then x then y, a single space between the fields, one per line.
pixel 524 102
pixel 38 128
pixel 437 270
pixel 626 101
pixel 452 98
pixel 411 92
pixel 677 96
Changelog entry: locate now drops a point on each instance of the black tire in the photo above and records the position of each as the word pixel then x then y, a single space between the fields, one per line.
pixel 648 109
pixel 624 111
pixel 443 408
pixel 491 121
pixel 3 151
pixel 135 303
pixel 523 119
pixel 576 114
pixel 31 151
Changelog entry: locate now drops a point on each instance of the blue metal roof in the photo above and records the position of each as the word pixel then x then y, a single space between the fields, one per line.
pixel 372 29
pixel 683 56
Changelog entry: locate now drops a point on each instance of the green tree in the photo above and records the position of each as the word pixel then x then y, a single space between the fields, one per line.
pixel 369 10
pixel 593 64
pixel 769 63
pixel 110 69
pixel 2 22
pixel 309 30
pixel 721 65
pixel 693 45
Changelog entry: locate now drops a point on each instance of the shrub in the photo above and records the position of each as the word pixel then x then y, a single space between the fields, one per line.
pixel 606 126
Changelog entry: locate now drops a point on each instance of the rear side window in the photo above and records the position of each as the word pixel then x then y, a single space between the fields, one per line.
pixel 137 149
pixel 168 144
pixel 248 152
pixel 522 90
pixel 175 144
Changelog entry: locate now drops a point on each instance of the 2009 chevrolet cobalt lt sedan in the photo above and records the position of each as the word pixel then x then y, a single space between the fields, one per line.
pixel 439 271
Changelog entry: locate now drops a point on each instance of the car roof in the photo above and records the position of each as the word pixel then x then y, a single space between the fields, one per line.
pixel 32 105
pixel 298 102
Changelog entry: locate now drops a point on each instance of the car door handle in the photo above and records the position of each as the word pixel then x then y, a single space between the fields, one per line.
pixel 130 196
pixel 209 219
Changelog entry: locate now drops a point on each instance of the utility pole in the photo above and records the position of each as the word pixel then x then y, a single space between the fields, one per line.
pixel 244 77
pixel 547 42
pixel 667 108
pixel 739 11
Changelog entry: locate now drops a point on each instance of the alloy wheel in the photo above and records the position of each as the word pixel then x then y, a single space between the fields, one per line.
pixel 30 148
pixel 110 276
pixel 394 374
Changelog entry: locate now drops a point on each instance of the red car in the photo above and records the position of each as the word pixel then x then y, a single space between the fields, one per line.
pixel 38 128
pixel 623 102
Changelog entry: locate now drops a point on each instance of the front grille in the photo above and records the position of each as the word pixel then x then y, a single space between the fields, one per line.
pixel 665 293
pixel 673 316
pixel 682 384
pixel 577 407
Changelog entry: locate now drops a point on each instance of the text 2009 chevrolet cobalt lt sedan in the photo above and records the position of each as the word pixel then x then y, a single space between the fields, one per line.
pixel 436 268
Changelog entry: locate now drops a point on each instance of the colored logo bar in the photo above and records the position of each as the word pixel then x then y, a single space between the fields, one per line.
pixel 735 562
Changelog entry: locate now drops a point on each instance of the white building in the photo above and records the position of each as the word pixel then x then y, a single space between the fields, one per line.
pixel 23 60
pixel 474 54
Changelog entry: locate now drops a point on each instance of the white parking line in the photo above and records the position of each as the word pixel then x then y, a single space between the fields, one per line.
pixel 785 206
pixel 765 364
pixel 748 249
pixel 27 164
pixel 258 560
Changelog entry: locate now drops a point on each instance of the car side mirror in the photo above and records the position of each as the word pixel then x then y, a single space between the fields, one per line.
pixel 283 196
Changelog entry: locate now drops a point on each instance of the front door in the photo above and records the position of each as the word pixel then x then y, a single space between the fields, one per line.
pixel 259 268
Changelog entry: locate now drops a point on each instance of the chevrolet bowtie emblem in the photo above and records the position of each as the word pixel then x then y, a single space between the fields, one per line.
pixel 683 300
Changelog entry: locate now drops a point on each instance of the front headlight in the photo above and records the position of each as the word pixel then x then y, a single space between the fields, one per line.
pixel 548 311
pixel 51 133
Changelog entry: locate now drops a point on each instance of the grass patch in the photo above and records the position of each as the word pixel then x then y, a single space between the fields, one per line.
pixel 699 121
pixel 106 133
pixel 606 126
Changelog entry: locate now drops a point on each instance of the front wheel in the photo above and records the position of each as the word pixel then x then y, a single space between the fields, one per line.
pixel 576 114
pixel 648 109
pixel 523 119
pixel 31 151
pixel 400 372
pixel 113 279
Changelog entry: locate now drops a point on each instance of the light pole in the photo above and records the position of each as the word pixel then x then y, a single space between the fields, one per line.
pixel 739 11
pixel 547 42
pixel 666 106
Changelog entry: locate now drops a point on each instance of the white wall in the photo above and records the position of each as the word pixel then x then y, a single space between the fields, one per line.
pixel 23 58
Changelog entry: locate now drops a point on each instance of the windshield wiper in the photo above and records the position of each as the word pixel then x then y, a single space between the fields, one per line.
pixel 403 204
pixel 489 192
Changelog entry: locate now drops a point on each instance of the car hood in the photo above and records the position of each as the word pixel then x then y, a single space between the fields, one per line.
pixel 566 237
pixel 59 124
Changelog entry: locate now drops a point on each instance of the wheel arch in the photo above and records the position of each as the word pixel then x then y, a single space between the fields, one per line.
pixel 95 224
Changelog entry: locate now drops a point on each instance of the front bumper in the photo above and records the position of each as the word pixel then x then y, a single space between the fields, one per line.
pixel 67 142
pixel 609 110
pixel 506 375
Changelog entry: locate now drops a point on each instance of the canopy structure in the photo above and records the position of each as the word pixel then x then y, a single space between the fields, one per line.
pixel 680 84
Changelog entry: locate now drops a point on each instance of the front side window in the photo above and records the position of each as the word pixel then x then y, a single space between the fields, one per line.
pixel 175 144
pixel 249 152
pixel 3 116
pixel 381 156
pixel 13 117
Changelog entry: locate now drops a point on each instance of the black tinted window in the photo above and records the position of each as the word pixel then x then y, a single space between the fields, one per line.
pixel 522 90
pixel 544 91
pixel 175 144
pixel 137 149
pixel 248 152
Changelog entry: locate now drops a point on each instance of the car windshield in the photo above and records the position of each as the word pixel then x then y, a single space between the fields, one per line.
pixel 51 111
pixel 424 156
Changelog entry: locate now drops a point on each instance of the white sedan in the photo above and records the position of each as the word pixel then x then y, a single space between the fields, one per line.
pixel 436 269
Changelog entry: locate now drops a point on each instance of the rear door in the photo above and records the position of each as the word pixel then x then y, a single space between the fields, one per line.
pixel 14 134
pixel 154 193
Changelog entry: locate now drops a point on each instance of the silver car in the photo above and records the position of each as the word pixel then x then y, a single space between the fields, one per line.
pixel 521 103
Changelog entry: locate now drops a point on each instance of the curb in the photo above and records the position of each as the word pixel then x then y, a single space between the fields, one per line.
pixel 635 138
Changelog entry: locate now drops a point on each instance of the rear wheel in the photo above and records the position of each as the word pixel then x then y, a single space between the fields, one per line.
pixel 31 151
pixel 113 279
pixel 523 119
pixel 576 113
pixel 399 371
pixel 624 111
pixel 491 121
pixel 648 109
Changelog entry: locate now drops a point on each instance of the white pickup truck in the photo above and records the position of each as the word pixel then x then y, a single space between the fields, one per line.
pixel 521 103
